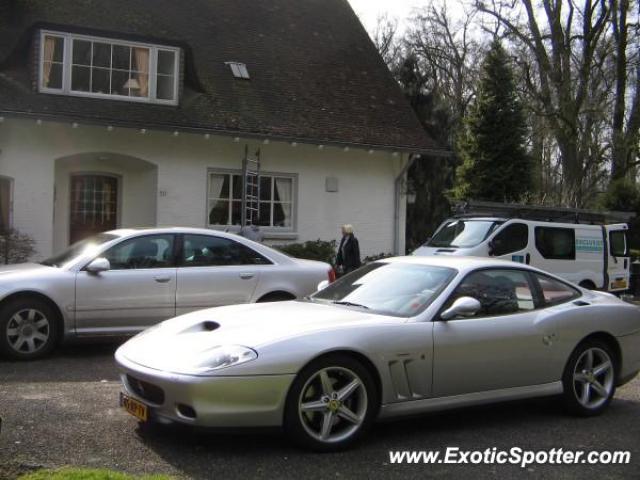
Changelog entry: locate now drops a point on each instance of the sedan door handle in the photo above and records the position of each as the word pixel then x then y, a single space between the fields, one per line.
pixel 247 275
pixel 162 279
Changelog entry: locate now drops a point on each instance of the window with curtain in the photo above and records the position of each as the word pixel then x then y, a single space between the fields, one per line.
pixel 5 203
pixel 98 67
pixel 276 199
pixel 52 61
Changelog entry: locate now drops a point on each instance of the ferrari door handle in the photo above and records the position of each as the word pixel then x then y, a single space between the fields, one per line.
pixel 247 275
pixel 162 279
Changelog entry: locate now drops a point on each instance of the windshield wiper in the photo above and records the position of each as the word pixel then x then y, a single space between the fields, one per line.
pixel 350 304
pixel 48 264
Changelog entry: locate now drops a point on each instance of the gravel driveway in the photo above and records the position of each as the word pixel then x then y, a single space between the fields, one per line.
pixel 63 410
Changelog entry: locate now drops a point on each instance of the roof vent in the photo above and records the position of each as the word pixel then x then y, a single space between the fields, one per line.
pixel 239 70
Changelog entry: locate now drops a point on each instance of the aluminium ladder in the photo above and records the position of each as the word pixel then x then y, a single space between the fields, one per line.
pixel 250 188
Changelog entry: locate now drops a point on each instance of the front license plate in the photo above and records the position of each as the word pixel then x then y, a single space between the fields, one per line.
pixel 134 407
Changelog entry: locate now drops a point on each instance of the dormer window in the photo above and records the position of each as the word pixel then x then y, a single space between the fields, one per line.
pixel 99 67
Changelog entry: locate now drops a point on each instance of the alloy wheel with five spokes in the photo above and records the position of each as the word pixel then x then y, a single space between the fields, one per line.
pixel 331 403
pixel 593 378
pixel 590 378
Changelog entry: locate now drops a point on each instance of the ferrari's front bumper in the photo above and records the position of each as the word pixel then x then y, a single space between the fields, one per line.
pixel 216 402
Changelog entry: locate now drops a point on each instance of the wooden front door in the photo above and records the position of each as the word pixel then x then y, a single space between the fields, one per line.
pixel 93 206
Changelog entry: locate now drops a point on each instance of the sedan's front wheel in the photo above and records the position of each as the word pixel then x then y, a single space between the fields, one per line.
pixel 331 404
pixel 589 379
pixel 28 329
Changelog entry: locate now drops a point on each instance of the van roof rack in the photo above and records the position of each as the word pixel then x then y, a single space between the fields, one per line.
pixel 474 208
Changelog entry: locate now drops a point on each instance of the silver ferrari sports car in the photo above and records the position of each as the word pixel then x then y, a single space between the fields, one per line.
pixel 123 281
pixel 398 336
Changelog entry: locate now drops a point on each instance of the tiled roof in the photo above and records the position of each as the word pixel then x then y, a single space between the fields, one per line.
pixel 315 74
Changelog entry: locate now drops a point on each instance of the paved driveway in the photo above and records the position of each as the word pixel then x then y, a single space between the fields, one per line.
pixel 64 411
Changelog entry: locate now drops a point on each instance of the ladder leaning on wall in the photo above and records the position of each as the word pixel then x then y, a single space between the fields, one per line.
pixel 250 188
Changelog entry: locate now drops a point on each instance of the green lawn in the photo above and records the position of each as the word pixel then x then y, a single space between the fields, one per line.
pixel 86 474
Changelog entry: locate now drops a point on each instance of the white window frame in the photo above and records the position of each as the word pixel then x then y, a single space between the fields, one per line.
pixel 67 59
pixel 268 228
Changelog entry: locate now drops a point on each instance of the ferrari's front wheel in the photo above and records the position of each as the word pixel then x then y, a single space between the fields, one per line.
pixel 331 404
pixel 589 379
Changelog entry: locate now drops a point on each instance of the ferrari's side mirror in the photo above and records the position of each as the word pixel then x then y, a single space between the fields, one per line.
pixel 322 285
pixel 98 265
pixel 462 307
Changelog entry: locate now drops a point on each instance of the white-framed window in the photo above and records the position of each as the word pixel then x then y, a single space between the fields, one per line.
pixel 86 66
pixel 277 199
pixel 6 202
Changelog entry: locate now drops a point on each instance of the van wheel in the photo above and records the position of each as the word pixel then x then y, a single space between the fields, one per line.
pixel 588 284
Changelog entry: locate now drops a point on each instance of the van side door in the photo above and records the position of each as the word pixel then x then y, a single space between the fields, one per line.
pixel 554 250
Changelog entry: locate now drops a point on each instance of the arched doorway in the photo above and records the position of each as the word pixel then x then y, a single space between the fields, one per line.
pixel 94 204
pixel 100 191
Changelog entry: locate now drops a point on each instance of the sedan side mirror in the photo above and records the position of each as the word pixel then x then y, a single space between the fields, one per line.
pixel 322 285
pixel 98 265
pixel 462 307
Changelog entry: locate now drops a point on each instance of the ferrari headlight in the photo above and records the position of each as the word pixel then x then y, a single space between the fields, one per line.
pixel 219 357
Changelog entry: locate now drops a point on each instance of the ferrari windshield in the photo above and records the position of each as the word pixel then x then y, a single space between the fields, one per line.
pixel 79 248
pixel 397 289
pixel 463 233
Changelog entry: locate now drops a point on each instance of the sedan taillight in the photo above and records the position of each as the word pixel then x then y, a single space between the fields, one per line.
pixel 332 275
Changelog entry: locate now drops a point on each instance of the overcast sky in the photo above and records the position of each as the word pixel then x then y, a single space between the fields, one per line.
pixel 369 10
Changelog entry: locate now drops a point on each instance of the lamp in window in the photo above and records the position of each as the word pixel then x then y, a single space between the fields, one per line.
pixel 132 85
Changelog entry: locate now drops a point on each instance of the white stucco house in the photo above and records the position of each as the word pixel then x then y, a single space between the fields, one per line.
pixel 129 113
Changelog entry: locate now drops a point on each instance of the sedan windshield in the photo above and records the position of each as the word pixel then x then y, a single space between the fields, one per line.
pixel 397 289
pixel 79 248
pixel 463 233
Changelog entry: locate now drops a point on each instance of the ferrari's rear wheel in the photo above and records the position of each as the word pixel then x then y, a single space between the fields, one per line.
pixel 589 379
pixel 332 403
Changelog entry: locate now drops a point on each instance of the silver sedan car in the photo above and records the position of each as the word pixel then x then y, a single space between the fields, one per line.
pixel 121 282
pixel 396 337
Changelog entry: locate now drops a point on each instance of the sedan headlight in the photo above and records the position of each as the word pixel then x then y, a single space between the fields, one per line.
pixel 219 357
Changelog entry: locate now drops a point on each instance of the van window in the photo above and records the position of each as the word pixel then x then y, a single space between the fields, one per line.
pixel 618 243
pixel 463 233
pixel 556 243
pixel 512 238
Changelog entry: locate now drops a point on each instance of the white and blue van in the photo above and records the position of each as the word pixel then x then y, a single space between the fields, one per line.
pixel 593 256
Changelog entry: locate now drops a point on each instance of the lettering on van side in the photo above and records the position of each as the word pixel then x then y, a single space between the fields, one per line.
pixel 589 245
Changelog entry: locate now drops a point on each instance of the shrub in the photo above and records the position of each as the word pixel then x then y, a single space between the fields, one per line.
pixel 320 250
pixel 15 247
pixel 379 256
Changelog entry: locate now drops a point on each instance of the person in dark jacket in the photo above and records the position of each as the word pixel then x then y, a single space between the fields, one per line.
pixel 348 258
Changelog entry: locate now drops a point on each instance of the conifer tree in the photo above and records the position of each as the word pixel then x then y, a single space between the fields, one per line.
pixel 495 164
